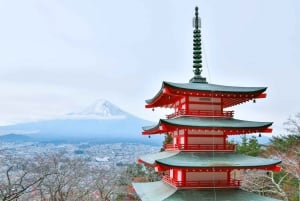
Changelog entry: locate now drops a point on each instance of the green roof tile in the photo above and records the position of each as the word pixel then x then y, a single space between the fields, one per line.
pixel 210 123
pixel 150 158
pixel 153 191
pixel 208 88
pixel 216 195
pixel 214 87
pixel 207 159
pixel 160 191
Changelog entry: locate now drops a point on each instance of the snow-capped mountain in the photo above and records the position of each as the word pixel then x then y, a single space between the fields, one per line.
pixel 100 109
pixel 102 121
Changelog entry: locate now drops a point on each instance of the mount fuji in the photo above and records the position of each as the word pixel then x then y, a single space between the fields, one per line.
pixel 100 109
pixel 101 122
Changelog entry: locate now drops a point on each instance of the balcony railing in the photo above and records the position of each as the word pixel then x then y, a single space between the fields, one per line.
pixel 201 147
pixel 201 113
pixel 233 183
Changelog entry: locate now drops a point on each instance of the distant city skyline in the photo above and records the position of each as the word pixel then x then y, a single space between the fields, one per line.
pixel 58 57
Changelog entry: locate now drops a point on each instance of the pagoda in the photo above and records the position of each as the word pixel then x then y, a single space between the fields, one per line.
pixel 200 164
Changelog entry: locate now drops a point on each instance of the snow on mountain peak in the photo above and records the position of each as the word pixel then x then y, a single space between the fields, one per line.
pixel 101 108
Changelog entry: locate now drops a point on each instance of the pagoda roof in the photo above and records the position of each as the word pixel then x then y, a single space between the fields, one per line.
pixel 214 87
pixel 154 191
pixel 204 122
pixel 207 160
pixel 160 191
pixel 205 90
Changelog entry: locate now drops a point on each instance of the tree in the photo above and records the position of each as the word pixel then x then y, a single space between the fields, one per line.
pixel 136 173
pixel 287 148
pixel 292 125
pixel 104 183
pixel 291 163
pixel 59 177
pixel 67 180
pixel 265 183
pixel 249 146
pixel 283 143
pixel 18 177
pixel 168 140
pixel 261 182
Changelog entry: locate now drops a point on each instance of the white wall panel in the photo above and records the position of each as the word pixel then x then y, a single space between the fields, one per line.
pixel 205 176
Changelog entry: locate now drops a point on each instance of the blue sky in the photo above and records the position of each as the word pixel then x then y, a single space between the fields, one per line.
pixel 58 56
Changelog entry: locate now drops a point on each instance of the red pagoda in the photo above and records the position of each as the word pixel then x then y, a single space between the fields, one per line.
pixel 199 163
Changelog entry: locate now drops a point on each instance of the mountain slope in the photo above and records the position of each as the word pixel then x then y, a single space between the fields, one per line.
pixel 14 138
pixel 102 121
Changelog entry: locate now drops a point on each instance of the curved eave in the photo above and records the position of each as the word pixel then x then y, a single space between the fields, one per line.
pixel 230 125
pixel 215 87
pixel 153 191
pixel 231 95
pixel 162 98
pixel 217 195
pixel 150 159
pixel 207 160
pixel 160 191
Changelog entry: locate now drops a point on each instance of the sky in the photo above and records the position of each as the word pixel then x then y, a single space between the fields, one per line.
pixel 59 56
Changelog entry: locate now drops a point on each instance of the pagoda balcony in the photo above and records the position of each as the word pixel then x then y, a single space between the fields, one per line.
pixel 200 113
pixel 233 183
pixel 201 147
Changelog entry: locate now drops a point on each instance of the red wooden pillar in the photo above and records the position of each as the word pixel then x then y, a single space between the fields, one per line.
pixel 183 177
pixel 228 176
pixel 185 139
pixel 187 105
pixel 222 107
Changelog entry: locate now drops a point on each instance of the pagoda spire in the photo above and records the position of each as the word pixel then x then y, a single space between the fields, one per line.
pixel 197 51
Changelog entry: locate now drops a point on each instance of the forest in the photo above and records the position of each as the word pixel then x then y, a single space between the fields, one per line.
pixel 283 185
